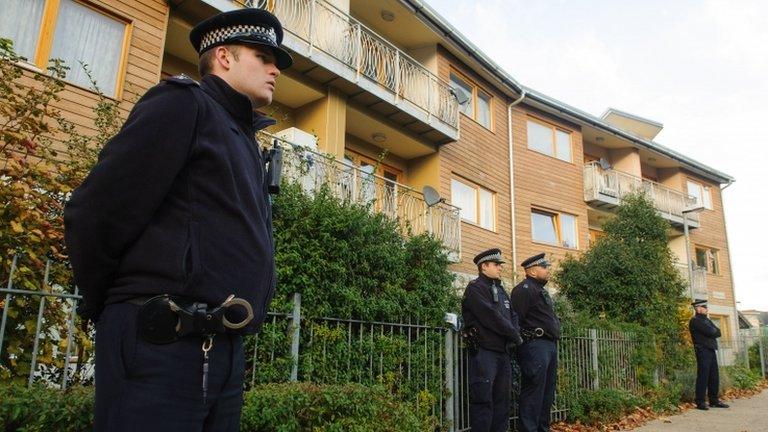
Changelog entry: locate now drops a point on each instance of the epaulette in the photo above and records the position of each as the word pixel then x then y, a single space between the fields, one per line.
pixel 182 80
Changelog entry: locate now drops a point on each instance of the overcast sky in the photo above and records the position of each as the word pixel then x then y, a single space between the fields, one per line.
pixel 698 67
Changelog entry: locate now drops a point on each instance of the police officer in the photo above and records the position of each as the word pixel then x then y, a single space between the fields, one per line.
pixel 704 334
pixel 491 327
pixel 537 356
pixel 170 237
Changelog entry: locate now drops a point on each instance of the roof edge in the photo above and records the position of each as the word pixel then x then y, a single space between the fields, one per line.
pixel 689 163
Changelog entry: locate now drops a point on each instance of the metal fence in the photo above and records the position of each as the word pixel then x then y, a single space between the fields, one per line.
pixel 747 349
pixel 424 364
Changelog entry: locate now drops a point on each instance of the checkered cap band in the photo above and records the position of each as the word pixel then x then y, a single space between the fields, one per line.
pixel 492 257
pixel 537 262
pixel 226 33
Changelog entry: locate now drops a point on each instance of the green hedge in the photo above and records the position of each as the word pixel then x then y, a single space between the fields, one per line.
pixel 351 407
pixel 271 407
pixel 41 409
pixel 603 406
pixel 348 261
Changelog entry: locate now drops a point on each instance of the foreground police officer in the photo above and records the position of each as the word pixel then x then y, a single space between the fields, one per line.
pixel 537 356
pixel 170 237
pixel 704 334
pixel 491 327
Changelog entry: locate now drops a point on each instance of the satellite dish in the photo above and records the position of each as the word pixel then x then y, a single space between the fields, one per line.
pixel 461 96
pixel 604 164
pixel 431 196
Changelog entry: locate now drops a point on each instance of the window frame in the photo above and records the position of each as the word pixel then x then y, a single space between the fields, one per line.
pixel 381 168
pixel 705 191
pixel 715 257
pixel 47 31
pixel 556 215
pixel 476 89
pixel 553 142
pixel 478 207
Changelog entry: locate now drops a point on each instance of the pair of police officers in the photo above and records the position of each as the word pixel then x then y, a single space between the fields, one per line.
pixel 494 324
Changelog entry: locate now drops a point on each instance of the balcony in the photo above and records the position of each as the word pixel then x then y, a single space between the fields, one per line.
pixel 415 97
pixel 350 183
pixel 697 289
pixel 604 189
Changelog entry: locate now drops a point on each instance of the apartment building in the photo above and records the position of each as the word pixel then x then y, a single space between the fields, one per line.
pixel 402 100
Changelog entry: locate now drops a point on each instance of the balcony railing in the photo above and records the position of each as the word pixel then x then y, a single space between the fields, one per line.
pixel 351 183
pixel 697 289
pixel 328 29
pixel 610 186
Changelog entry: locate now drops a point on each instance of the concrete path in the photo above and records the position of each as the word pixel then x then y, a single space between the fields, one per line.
pixel 744 415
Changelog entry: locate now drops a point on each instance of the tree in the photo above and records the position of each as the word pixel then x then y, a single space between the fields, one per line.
pixel 43 157
pixel 629 274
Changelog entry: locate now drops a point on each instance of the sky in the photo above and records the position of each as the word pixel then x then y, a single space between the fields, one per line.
pixel 698 67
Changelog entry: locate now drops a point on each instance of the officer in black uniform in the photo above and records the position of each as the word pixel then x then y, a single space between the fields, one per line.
pixel 170 237
pixel 704 334
pixel 537 356
pixel 491 328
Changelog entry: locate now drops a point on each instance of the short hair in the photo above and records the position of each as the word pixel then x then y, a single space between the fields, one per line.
pixel 205 66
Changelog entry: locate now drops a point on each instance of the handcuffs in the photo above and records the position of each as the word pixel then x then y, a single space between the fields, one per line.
pixel 529 334
pixel 164 319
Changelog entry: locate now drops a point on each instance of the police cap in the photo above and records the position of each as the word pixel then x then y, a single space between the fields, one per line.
pixel 536 260
pixel 247 26
pixel 490 255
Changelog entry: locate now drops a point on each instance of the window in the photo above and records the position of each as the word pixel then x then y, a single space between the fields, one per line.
pixel 701 193
pixel 365 181
pixel 551 141
pixel 478 205
pixel 478 105
pixel 557 229
pixel 707 258
pixel 72 31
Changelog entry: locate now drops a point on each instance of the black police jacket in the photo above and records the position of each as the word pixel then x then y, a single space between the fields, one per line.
pixel 534 307
pixel 177 204
pixel 490 314
pixel 704 332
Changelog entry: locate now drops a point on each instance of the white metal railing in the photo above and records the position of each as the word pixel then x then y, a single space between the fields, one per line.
pixel 616 184
pixel 355 184
pixel 698 286
pixel 328 29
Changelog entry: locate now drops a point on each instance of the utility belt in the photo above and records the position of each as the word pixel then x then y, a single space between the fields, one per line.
pixel 165 319
pixel 535 333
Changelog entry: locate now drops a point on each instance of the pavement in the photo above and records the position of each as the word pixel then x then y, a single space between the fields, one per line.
pixel 744 415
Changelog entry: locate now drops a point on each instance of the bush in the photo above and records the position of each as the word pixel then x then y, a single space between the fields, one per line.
pixel 665 397
pixel 754 355
pixel 39 408
pixel 303 406
pixel 350 262
pixel 741 377
pixel 271 407
pixel 603 406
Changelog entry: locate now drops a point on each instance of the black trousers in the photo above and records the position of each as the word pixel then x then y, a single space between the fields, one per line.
pixel 707 376
pixel 490 379
pixel 146 387
pixel 538 378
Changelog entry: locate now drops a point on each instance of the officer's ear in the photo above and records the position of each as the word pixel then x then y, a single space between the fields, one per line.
pixel 224 55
